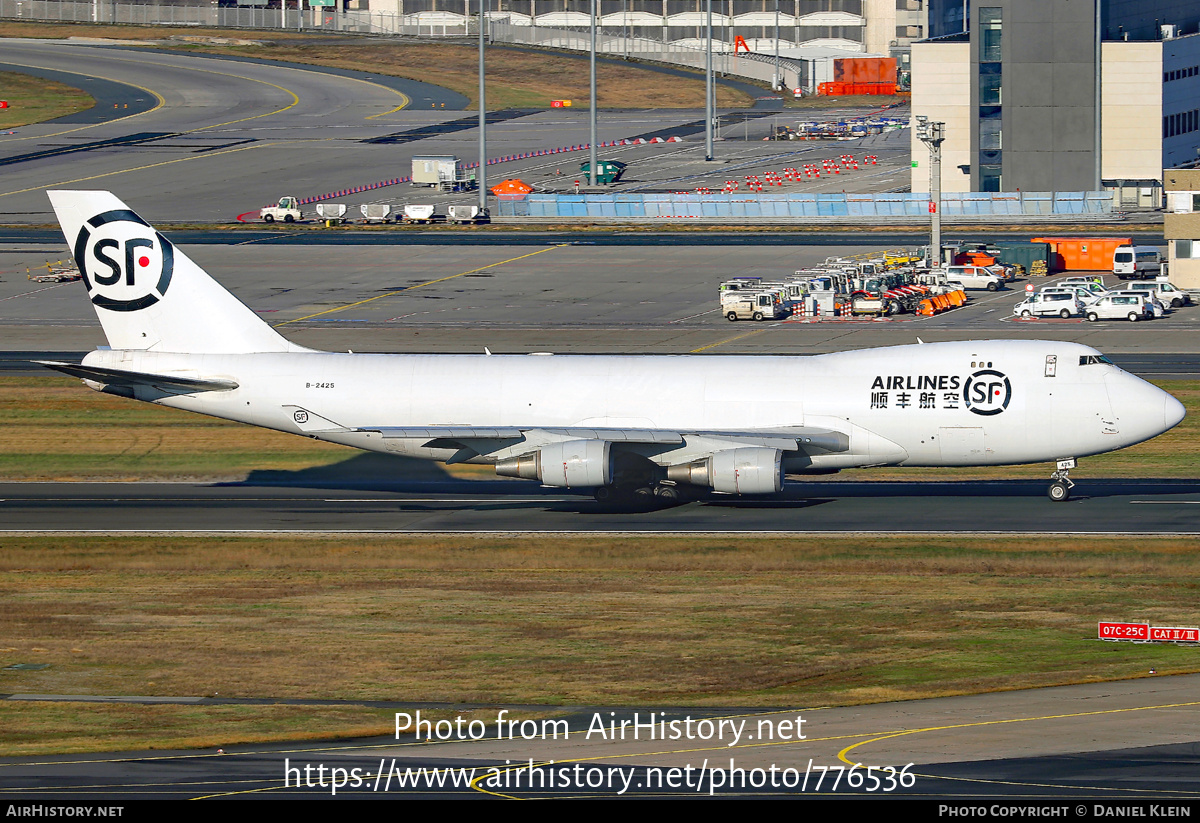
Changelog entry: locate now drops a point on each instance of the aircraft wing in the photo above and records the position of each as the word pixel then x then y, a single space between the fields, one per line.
pixel 792 438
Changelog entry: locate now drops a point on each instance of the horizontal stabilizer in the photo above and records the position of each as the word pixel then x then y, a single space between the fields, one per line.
pixel 172 384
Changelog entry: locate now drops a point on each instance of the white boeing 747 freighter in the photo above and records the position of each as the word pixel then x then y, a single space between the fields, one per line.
pixel 636 425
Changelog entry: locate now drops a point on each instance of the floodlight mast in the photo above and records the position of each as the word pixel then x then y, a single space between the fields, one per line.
pixel 932 134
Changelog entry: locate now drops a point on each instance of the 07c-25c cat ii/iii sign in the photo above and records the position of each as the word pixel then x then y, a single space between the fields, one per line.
pixel 654 427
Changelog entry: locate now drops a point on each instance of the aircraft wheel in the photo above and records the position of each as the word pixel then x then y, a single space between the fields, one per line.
pixel 1059 491
pixel 604 494
pixel 667 494
pixel 1133 317
pixel 1092 317
pixel 268 218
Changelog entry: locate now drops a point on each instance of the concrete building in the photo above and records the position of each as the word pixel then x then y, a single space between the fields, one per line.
pixel 1018 93
pixel 1181 226
pixel 885 27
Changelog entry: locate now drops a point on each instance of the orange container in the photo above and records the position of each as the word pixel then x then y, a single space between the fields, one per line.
pixel 1082 253
pixel 862 70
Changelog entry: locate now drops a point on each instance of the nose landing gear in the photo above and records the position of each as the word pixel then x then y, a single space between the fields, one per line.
pixel 1060 488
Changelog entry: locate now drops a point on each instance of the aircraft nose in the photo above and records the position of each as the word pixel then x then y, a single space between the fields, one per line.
pixel 1173 412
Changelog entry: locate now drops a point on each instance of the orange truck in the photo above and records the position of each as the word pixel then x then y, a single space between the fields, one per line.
pixel 1082 253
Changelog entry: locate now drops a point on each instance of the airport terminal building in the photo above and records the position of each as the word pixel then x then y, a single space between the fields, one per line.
pixel 1060 95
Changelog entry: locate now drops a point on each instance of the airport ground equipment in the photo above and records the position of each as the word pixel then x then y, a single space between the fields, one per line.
pixel 59 272
pixel 764 304
pixel 422 213
pixel 331 213
pixel 607 171
pixel 375 212
pixel 286 210
pixel 442 172
pixel 465 214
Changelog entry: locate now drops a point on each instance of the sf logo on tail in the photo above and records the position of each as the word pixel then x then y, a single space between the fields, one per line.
pixel 126 265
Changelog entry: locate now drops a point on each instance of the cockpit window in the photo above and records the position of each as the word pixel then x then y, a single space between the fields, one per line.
pixel 1091 359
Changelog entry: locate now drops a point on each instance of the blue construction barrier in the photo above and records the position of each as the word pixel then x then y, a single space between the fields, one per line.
pixel 735 205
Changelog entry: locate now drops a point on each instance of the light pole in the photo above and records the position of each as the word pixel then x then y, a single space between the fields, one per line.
pixel 592 117
pixel 481 177
pixel 932 133
pixel 778 84
pixel 708 84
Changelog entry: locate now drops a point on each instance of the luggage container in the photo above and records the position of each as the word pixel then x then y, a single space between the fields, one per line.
pixel 418 214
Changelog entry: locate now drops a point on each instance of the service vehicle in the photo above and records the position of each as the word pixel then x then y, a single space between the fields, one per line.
pixel 1054 304
pixel 1164 291
pixel 1131 262
pixel 1084 294
pixel 1157 307
pixel 287 210
pixel 1131 307
pixel 975 277
pixel 763 305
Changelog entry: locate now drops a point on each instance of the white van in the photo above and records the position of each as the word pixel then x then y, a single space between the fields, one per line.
pixel 1136 262
pixel 1165 292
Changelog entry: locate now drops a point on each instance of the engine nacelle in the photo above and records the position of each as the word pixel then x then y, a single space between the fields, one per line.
pixel 568 464
pixel 750 470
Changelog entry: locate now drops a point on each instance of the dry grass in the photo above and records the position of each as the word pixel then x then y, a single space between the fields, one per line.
pixel 34 100
pixel 708 621
pixel 516 78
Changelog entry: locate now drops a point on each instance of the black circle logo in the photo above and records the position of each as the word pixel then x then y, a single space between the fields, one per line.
pixel 126 265
pixel 300 417
pixel 987 392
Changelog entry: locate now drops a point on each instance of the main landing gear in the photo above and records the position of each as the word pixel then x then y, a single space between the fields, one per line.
pixel 648 496
pixel 1060 488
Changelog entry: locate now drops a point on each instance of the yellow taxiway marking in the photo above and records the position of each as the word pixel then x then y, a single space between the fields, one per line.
pixel 417 286
pixel 842 755
pixel 157 96
pixel 726 340
pixel 140 168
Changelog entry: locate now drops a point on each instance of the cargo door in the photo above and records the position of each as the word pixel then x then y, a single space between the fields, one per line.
pixel 962 445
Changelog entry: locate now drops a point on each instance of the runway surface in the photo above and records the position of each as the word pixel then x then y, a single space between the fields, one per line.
pixel 1115 745
pixel 323 505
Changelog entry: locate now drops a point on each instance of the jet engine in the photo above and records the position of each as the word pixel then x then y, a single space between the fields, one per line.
pixel 750 470
pixel 568 464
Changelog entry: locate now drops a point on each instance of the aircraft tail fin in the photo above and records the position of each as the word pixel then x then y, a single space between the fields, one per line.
pixel 147 293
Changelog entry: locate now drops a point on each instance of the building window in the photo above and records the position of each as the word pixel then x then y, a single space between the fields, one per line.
pixel 1187 249
pixel 989 84
pixel 989 34
pixel 989 178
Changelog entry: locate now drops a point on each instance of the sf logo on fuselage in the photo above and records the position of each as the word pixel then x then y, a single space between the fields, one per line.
pixel 987 392
pixel 126 265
